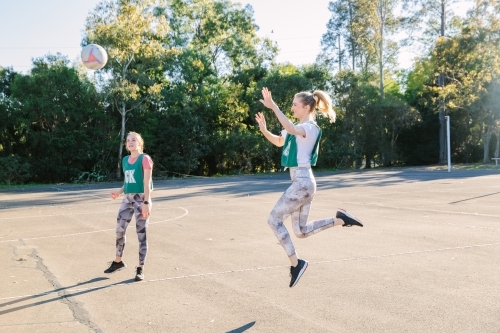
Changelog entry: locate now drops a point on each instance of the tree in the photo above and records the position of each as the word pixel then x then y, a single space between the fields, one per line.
pixel 470 63
pixel 417 144
pixel 368 29
pixel 57 124
pixel 134 33
pixel 434 16
pixel 7 127
pixel 212 79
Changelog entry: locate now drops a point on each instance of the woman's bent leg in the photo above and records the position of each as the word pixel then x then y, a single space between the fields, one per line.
pixel 301 191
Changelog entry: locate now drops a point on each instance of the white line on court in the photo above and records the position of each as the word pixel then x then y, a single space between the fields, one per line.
pixel 52 215
pixel 257 269
pixel 234 204
pixel 462 225
pixel 157 207
pixel 409 208
pixel 80 192
pixel 186 212
pixel 243 203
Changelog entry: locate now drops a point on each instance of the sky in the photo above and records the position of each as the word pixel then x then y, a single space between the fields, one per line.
pixel 33 28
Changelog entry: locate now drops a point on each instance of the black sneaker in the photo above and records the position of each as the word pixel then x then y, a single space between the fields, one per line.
pixel 115 266
pixel 348 219
pixel 139 276
pixel 297 271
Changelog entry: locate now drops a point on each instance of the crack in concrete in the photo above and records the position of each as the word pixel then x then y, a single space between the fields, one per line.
pixel 79 312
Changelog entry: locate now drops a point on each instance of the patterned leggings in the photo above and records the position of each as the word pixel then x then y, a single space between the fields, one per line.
pixel 296 201
pixel 132 203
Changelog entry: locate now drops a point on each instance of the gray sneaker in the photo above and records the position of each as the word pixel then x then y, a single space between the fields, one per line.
pixel 115 266
pixel 348 219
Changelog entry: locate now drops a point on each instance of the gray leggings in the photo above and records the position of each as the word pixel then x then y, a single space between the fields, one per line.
pixel 132 203
pixel 296 202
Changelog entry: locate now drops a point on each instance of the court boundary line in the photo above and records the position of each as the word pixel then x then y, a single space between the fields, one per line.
pixel 119 284
pixel 409 208
pixel 186 212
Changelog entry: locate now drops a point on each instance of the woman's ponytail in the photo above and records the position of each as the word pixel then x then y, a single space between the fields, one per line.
pixel 319 100
pixel 324 104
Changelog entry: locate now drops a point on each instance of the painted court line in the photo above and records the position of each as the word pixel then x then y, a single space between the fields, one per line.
pixel 415 209
pixel 462 225
pixel 186 212
pixel 52 215
pixel 157 207
pixel 253 269
pixel 235 204
pixel 79 193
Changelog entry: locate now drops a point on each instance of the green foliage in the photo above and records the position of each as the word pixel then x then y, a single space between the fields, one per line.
pixel 188 74
pixel 13 170
pixel 419 144
pixel 133 32
pixel 56 120
pixel 184 141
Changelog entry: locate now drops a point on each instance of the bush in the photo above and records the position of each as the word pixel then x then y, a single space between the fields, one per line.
pixel 13 170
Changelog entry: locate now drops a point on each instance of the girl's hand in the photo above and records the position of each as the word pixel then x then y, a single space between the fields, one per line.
pixel 268 99
pixel 145 210
pixel 115 195
pixel 259 117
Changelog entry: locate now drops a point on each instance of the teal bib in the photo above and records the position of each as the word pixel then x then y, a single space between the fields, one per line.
pixel 289 152
pixel 134 176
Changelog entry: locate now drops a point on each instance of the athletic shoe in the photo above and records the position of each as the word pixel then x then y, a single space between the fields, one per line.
pixel 297 271
pixel 139 276
pixel 348 219
pixel 115 266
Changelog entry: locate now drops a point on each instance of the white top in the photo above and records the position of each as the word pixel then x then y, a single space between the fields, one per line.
pixel 305 145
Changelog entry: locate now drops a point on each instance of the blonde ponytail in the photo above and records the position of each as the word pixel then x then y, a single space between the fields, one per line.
pixel 319 100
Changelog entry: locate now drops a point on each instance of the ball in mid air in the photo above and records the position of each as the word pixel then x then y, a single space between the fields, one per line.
pixel 94 56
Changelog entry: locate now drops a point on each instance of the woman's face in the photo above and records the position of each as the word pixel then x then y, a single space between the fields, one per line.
pixel 132 143
pixel 299 109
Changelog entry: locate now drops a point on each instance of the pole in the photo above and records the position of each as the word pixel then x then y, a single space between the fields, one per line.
pixel 441 83
pixel 448 141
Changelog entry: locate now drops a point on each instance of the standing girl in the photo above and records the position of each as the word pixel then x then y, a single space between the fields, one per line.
pixel 137 187
pixel 301 146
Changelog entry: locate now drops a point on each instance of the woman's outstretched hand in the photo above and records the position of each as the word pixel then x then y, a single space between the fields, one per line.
pixel 267 100
pixel 259 117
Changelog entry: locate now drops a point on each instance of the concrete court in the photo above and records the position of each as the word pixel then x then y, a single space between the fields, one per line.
pixel 427 260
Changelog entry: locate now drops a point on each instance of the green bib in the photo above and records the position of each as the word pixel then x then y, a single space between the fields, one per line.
pixel 289 152
pixel 134 176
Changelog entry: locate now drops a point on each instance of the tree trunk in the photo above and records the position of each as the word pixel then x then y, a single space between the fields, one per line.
pixel 122 139
pixel 353 53
pixel 340 57
pixel 486 144
pixel 381 50
pixel 357 152
pixel 498 142
pixel 381 67
pixel 368 164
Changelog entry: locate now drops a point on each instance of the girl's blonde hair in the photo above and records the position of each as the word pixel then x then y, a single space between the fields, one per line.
pixel 318 100
pixel 139 139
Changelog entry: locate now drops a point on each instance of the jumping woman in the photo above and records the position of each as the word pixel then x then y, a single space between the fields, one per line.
pixel 300 142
